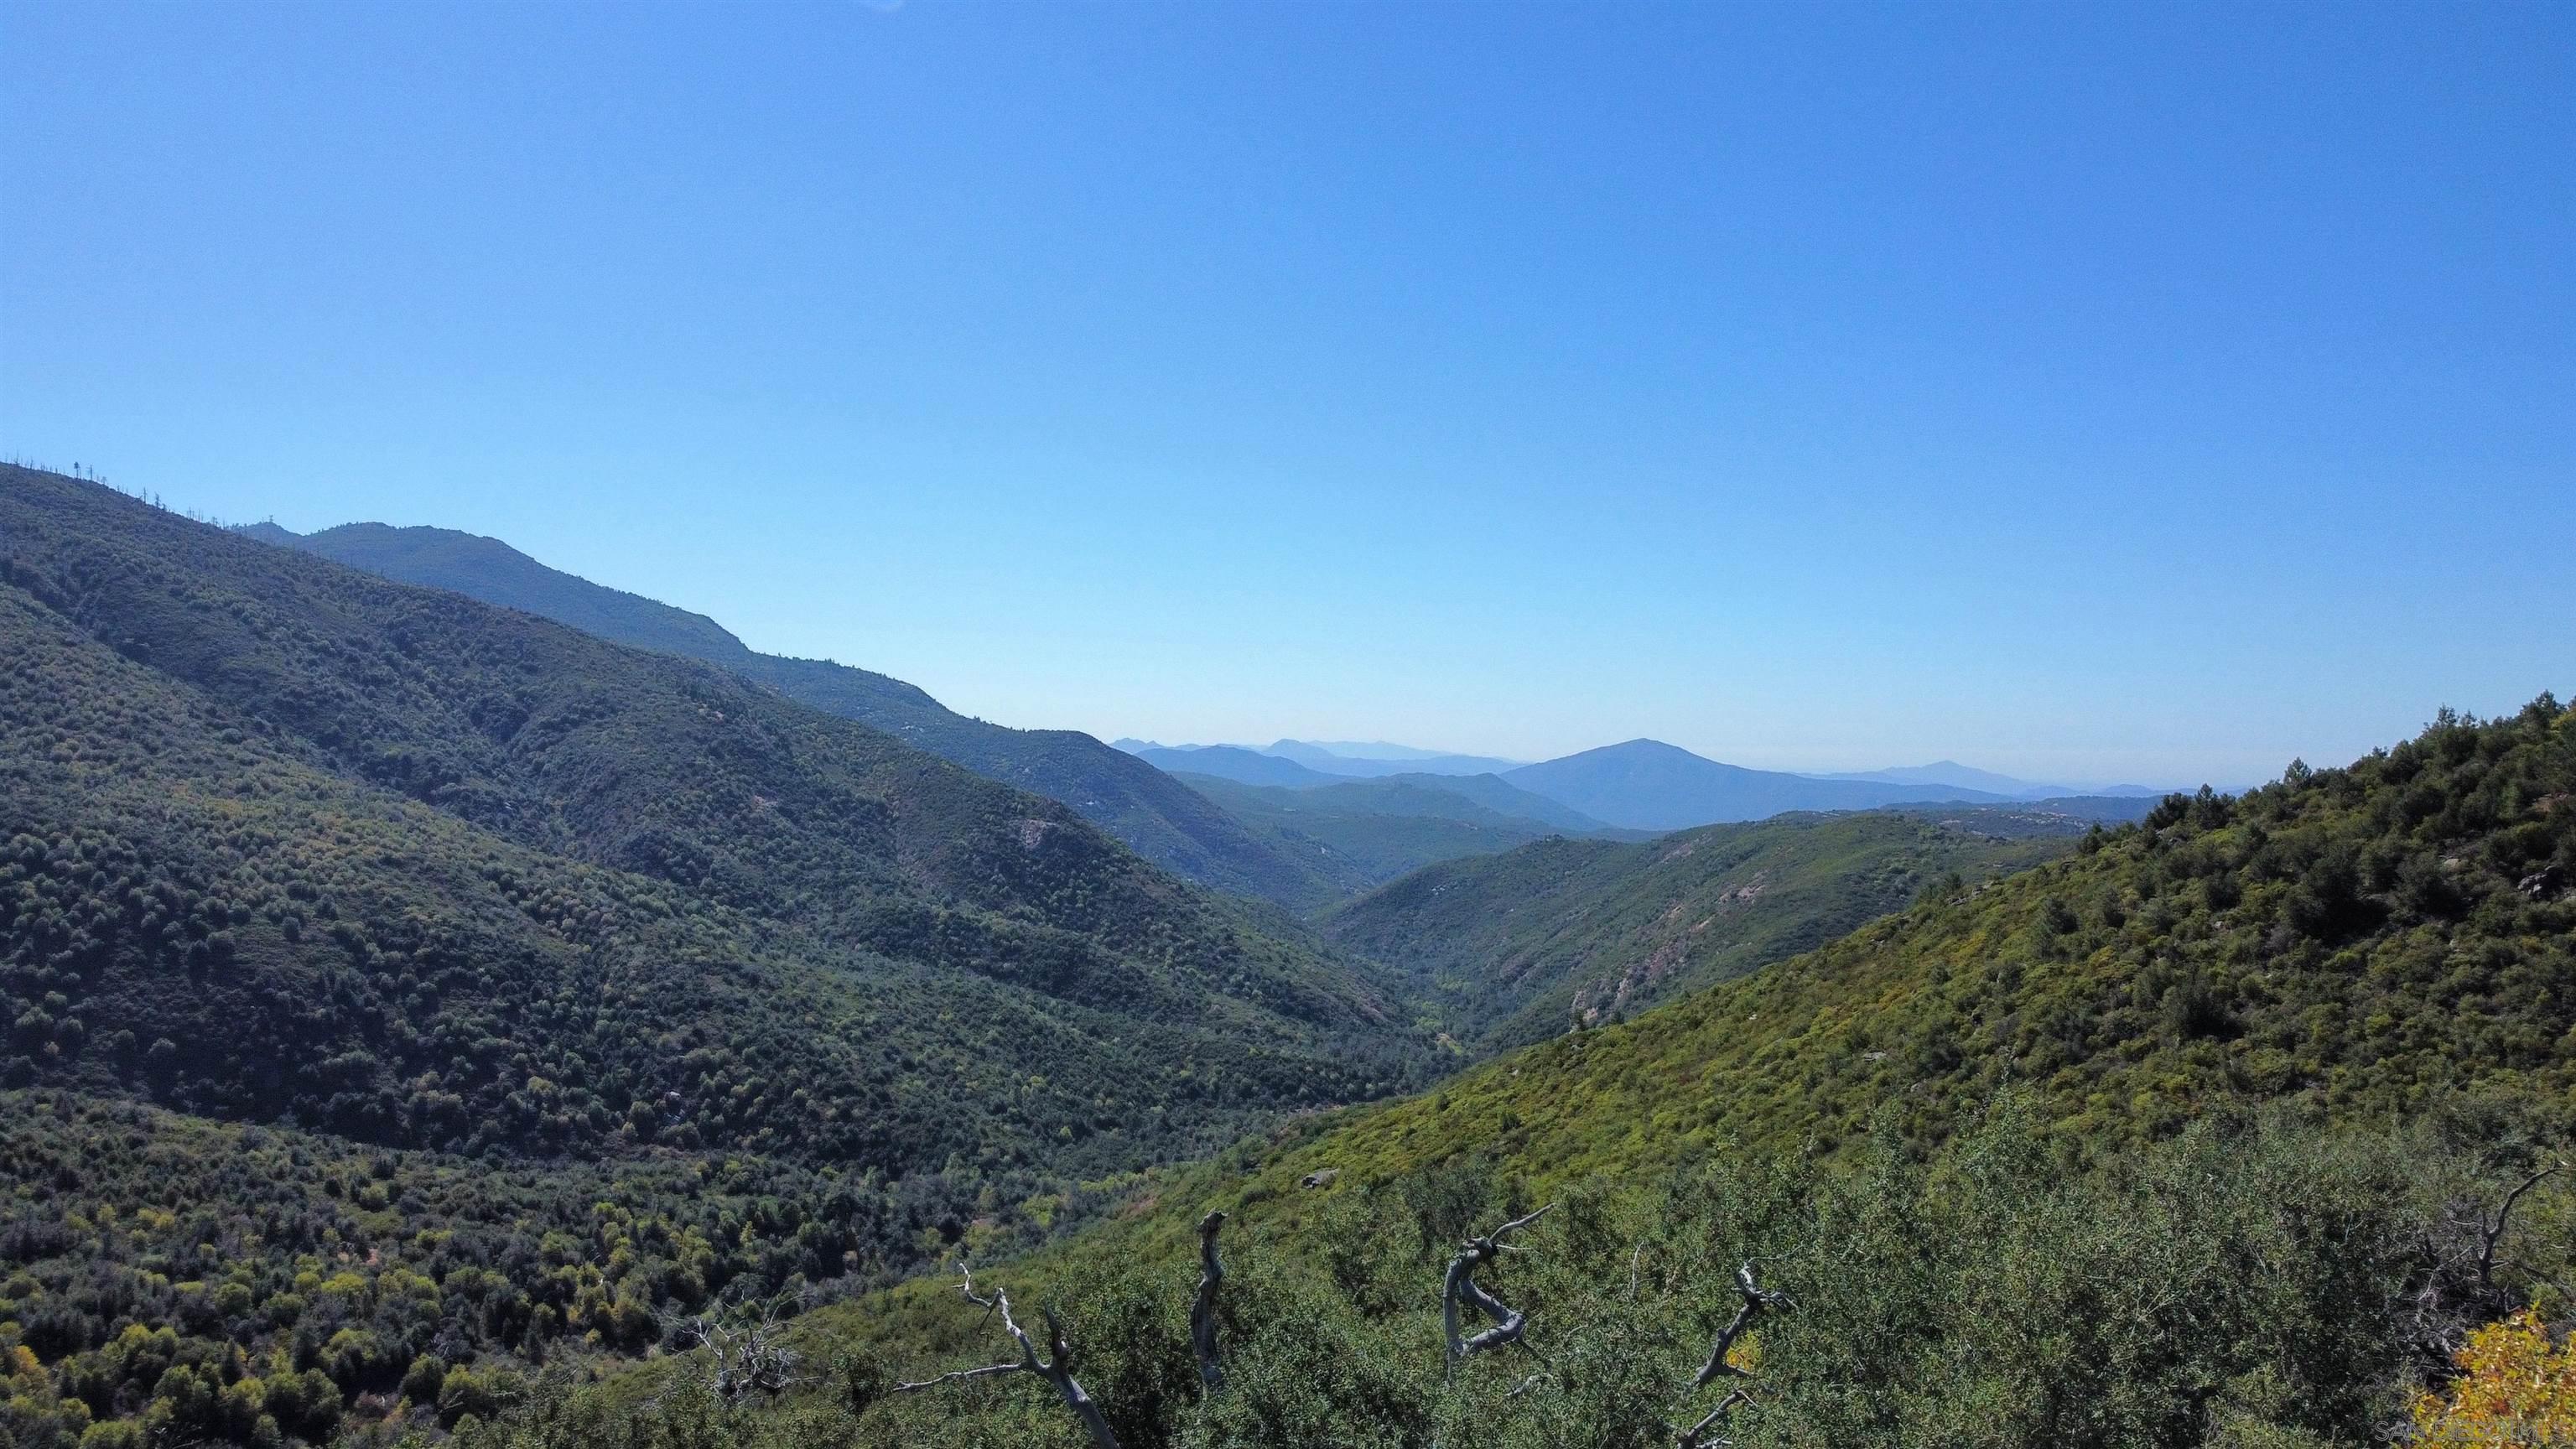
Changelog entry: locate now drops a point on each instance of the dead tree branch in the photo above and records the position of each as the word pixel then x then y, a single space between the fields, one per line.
pixel 2464 1252
pixel 1203 1306
pixel 1460 1286
pixel 1057 1371
pixel 1755 1301
pixel 966 1272
pixel 2492 1233
pixel 1696 1436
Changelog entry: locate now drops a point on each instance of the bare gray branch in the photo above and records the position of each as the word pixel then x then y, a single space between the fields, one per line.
pixel 1460 1286
pixel 1058 1372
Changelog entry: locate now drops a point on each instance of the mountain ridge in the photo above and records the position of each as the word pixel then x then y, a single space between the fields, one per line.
pixel 1650 785
pixel 1968 777
pixel 1234 762
pixel 552 754
pixel 1166 823
pixel 1345 758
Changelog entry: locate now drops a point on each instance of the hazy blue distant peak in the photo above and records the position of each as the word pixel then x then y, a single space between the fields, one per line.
pixel 1233 762
pixel 1346 757
pixel 1359 750
pixel 1649 785
pixel 1338 759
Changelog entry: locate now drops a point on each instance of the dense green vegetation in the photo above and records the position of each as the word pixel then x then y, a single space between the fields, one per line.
pixel 1521 946
pixel 2360 939
pixel 1155 816
pixel 287 844
pixel 241 762
pixel 414 1008
pixel 2389 943
pixel 310 1282
pixel 229 932
pixel 2252 1282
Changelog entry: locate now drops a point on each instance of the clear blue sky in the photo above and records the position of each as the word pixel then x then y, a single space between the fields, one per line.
pixel 2077 390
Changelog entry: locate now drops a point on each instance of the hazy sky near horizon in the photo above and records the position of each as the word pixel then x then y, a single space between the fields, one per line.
pixel 2082 391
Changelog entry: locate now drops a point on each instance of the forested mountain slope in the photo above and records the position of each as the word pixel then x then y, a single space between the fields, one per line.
pixel 432 872
pixel 2356 939
pixel 2266 1067
pixel 479 904
pixel 490 570
pixel 1154 815
pixel 1560 933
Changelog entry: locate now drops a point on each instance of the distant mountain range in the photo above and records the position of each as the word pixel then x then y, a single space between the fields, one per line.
pixel 1130 789
pixel 1642 784
pixel 1965 777
pixel 1229 762
pixel 1649 785
pixel 1337 758
pixel 1367 760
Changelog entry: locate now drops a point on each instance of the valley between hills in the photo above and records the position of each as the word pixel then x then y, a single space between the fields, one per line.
pixel 452 1001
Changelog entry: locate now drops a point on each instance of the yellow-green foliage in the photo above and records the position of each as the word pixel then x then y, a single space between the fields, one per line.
pixel 2516 1387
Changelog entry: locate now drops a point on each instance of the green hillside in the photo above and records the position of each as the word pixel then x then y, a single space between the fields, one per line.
pixel 289 845
pixel 2266 1066
pixel 415 1008
pixel 2357 939
pixel 1522 946
pixel 607 757
pixel 1154 815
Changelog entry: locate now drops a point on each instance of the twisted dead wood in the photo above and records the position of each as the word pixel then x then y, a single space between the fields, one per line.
pixel 2491 1231
pixel 1058 1371
pixel 1460 1286
pixel 1203 1306
pixel 1755 1301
